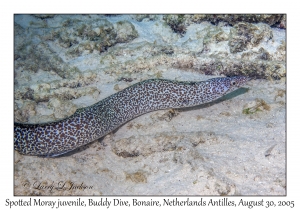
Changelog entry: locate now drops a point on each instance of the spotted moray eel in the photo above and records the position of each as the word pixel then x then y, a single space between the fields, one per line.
pixel 90 123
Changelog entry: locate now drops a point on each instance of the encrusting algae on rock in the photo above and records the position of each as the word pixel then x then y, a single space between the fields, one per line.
pixel 67 62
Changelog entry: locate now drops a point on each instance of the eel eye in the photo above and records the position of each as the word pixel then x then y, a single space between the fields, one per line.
pixel 233 83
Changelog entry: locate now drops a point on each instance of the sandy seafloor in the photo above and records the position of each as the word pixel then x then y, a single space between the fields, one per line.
pixel 235 146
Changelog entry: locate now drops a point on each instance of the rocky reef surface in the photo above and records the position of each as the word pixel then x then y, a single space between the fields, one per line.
pixel 235 146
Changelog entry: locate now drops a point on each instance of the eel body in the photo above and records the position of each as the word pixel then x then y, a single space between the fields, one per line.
pixel 93 122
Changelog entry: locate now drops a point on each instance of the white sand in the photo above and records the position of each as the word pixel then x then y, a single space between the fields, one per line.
pixel 214 149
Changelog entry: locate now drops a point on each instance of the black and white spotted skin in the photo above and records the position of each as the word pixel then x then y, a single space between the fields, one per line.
pixel 91 123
